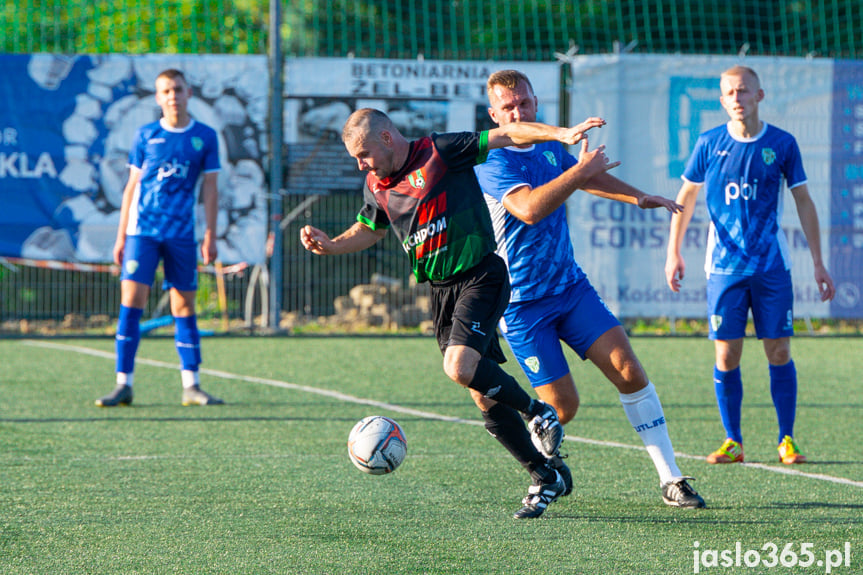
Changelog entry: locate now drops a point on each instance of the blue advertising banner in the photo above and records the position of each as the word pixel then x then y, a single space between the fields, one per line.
pixel 66 125
pixel 846 199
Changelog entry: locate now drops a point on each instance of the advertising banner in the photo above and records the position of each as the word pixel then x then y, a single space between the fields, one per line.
pixel 66 126
pixel 656 106
pixel 419 96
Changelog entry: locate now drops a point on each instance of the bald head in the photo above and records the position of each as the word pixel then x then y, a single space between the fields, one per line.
pixel 374 141
pixel 366 124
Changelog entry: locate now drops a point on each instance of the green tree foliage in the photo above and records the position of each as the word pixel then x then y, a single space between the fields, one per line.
pixel 134 26
pixel 437 29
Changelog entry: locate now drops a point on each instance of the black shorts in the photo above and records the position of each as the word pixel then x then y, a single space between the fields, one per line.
pixel 466 308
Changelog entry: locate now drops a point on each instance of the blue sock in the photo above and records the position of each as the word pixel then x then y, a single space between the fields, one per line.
pixel 127 338
pixel 783 390
pixel 729 397
pixel 188 342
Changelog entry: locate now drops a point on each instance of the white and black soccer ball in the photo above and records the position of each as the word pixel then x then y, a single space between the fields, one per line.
pixel 377 445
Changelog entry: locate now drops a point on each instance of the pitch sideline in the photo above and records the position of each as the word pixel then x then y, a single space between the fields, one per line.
pixel 415 412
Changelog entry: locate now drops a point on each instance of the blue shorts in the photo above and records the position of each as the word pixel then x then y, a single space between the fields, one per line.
pixel 180 259
pixel 534 330
pixel 769 295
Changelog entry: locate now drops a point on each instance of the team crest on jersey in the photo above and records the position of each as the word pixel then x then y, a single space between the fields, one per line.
pixel 417 179
pixel 532 363
pixel 768 155
pixel 197 143
pixel 550 157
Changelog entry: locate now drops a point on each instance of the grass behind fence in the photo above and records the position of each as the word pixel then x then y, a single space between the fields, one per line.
pixel 263 484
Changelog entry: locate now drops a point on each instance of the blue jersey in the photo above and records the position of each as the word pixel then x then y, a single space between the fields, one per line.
pixel 171 161
pixel 743 180
pixel 539 257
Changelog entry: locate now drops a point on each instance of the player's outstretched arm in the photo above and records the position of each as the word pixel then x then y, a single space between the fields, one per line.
pixel 675 267
pixel 524 133
pixel 607 186
pixel 356 238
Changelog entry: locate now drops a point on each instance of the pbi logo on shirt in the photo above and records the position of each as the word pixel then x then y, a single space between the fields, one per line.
pixel 740 190
pixel 172 169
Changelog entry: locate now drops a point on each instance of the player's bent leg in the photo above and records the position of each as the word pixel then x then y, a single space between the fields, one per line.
pixel 562 395
pixel 540 495
pixel 507 427
pixel 460 364
pixel 612 353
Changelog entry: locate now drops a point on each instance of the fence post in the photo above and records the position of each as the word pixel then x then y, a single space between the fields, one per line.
pixel 276 64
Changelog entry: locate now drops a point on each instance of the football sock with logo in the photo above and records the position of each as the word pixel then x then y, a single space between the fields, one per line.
pixel 505 424
pixel 494 383
pixel 126 342
pixel 188 342
pixel 783 390
pixel 644 412
pixel 729 397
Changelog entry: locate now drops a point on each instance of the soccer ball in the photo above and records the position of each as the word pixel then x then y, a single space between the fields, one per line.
pixel 377 445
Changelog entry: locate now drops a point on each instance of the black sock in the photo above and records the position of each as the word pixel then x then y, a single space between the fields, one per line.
pixel 506 425
pixel 494 383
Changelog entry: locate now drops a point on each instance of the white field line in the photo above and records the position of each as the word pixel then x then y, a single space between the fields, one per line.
pixel 415 412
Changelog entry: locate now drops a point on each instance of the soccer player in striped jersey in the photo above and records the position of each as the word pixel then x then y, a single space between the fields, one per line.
pixel 170 160
pixel 744 166
pixel 426 192
pixel 552 298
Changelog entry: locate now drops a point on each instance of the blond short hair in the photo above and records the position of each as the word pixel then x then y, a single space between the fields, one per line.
pixel 508 79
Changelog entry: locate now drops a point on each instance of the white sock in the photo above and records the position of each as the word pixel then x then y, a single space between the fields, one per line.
pixel 124 378
pixel 189 378
pixel 644 412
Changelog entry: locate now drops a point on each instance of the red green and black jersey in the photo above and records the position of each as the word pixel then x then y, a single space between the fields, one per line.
pixel 434 205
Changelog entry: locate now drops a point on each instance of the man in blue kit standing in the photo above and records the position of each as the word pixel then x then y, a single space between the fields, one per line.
pixel 743 166
pixel 157 221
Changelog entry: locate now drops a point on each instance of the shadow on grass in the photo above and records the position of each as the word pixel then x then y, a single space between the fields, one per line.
pixel 818 505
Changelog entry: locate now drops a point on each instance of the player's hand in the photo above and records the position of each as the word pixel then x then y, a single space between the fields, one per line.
pixel 576 133
pixel 119 249
pixel 594 161
pixel 209 250
pixel 674 271
pixel 651 202
pixel 315 240
pixel 825 283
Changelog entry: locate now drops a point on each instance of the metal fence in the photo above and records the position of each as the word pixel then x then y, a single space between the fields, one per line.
pixel 530 30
